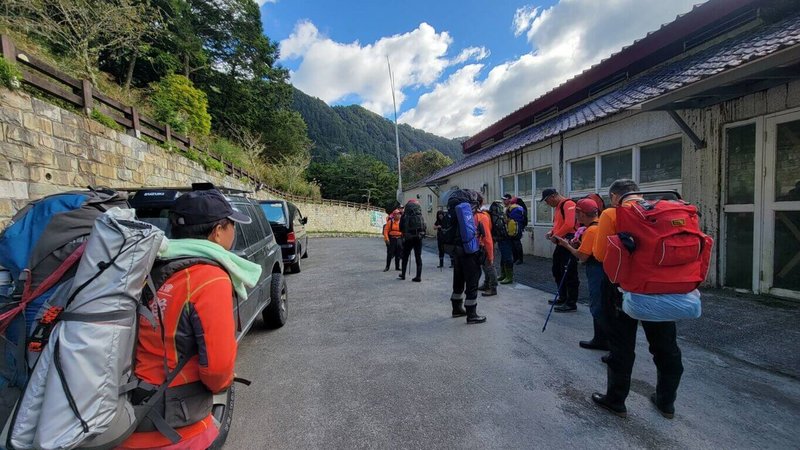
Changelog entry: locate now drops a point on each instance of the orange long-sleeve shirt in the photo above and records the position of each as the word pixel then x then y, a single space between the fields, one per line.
pixel 197 309
pixel 564 224
pixel 482 218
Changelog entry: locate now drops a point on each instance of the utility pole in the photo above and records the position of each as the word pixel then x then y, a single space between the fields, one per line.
pixel 396 137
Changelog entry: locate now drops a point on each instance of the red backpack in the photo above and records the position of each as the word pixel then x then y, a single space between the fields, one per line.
pixel 658 248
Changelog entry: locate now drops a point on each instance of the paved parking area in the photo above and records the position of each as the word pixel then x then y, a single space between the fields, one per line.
pixel 369 361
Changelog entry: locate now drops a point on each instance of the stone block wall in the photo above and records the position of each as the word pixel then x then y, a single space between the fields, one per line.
pixel 45 149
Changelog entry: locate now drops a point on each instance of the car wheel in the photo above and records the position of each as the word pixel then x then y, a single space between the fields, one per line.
pixel 222 410
pixel 276 312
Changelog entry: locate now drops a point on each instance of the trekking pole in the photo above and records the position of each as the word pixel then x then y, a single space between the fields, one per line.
pixel 563 277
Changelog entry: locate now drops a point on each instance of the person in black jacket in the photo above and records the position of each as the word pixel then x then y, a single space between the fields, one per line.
pixel 412 225
pixel 439 227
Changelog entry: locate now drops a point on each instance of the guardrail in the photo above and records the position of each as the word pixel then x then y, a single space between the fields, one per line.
pixel 80 93
pixel 320 201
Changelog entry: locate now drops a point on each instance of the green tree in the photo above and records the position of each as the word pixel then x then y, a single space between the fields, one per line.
pixel 416 166
pixel 83 29
pixel 178 103
pixel 348 176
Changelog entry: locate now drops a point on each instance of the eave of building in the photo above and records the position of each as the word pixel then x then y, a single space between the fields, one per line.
pixel 752 61
pixel 656 47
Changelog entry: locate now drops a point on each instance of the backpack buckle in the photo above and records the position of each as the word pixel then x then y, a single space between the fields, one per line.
pixel 41 334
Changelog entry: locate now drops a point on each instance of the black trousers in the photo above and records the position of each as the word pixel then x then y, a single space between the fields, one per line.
pixel 569 290
pixel 394 250
pixel 466 274
pixel 661 336
pixel 440 245
pixel 416 245
pixel 516 249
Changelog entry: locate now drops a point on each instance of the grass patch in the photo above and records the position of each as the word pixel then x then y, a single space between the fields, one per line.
pixel 98 116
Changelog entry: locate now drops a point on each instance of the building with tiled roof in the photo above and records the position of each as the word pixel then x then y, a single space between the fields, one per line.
pixel 708 105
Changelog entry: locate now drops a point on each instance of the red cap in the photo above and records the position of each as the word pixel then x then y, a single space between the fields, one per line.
pixel 587 206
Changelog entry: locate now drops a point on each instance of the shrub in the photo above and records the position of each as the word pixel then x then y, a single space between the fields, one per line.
pixel 10 76
pixel 179 104
pixel 105 120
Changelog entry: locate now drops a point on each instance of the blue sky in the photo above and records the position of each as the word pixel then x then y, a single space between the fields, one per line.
pixel 459 66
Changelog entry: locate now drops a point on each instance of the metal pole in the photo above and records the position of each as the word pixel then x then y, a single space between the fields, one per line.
pixel 396 137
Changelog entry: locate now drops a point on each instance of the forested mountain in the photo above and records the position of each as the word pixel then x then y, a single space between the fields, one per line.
pixel 353 129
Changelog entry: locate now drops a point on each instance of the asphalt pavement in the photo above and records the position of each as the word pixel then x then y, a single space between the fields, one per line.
pixel 369 361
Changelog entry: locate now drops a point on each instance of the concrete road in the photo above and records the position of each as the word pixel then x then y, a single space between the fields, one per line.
pixel 369 361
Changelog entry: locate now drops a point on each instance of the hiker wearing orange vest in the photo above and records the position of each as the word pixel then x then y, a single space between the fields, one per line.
pixel 484 224
pixel 564 263
pixel 662 336
pixel 392 236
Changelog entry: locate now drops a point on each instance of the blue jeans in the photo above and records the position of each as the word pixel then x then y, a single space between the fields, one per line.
pixel 594 272
pixel 506 252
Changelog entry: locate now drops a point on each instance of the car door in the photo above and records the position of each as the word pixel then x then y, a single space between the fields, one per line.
pixel 257 252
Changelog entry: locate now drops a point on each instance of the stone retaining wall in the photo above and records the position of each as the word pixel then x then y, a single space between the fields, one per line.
pixel 45 149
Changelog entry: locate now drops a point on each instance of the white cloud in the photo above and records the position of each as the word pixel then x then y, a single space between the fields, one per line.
pixel 565 39
pixel 332 70
pixel 262 2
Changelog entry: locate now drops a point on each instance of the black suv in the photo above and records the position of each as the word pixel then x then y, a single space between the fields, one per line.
pixel 288 224
pixel 254 242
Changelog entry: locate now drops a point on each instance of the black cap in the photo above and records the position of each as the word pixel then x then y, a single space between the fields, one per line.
pixel 507 196
pixel 547 193
pixel 206 206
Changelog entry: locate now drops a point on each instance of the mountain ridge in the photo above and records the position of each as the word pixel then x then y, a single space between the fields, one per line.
pixel 354 129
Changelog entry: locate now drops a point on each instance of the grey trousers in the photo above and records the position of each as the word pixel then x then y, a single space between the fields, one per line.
pixel 490 274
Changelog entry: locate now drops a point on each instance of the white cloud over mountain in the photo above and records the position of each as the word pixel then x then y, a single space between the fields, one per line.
pixel 565 39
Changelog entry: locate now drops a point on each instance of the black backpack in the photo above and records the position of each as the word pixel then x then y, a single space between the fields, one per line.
pixel 524 209
pixel 413 221
pixel 498 217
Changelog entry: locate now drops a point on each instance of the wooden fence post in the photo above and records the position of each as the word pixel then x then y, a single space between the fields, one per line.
pixel 190 142
pixel 167 134
pixel 137 130
pixel 86 90
pixel 7 47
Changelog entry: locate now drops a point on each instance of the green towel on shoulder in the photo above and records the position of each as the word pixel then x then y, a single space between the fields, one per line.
pixel 244 274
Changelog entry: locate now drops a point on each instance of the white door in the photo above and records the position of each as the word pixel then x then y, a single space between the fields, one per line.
pixel 781 206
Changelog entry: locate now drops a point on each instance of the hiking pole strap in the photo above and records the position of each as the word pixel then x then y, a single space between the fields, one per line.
pixel 97 317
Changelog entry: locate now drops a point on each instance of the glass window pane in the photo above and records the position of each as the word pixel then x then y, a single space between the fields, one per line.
pixel 524 184
pixel 739 250
pixel 582 175
pixel 508 185
pixel 615 166
pixel 787 250
pixel 787 157
pixel 740 170
pixel 662 161
pixel 544 180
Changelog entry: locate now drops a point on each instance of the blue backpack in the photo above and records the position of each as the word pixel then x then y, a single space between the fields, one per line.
pixel 459 231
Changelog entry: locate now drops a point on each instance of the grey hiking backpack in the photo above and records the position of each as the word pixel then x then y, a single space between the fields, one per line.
pixel 78 394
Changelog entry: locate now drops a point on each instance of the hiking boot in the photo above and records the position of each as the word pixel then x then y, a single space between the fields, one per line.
pixel 441 263
pixel 509 276
pixel 598 341
pixel 472 315
pixel 602 400
pixel 483 287
pixel 401 277
pixel 518 262
pixel 566 308
pixel 605 358
pixel 416 279
pixel 667 412
pixel 557 302
pixel 490 292
pixel 458 308
pixel 386 269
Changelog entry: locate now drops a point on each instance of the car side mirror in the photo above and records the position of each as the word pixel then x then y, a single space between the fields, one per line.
pixel 304 220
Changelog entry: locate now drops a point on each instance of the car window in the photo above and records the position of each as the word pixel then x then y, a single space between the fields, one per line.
pixel 274 212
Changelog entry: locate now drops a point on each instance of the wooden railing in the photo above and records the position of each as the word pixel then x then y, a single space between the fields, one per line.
pixel 80 93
